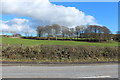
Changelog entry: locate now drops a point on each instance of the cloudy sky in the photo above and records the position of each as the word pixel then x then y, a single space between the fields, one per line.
pixel 22 16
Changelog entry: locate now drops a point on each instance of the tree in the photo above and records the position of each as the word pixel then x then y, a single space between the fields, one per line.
pixel 97 33
pixel 56 27
pixel 63 30
pixel 72 31
pixel 100 33
pixel 77 30
pixel 48 30
pixel 82 28
pixel 40 31
pixel 106 33
pixel 94 30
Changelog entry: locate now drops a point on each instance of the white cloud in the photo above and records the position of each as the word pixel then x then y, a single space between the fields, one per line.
pixel 46 13
pixel 16 25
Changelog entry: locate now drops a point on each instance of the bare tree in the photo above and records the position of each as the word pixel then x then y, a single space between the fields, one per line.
pixel 97 33
pixel 72 31
pixel 56 27
pixel 82 28
pixel 40 31
pixel 77 31
pixel 93 31
pixel 106 33
pixel 48 30
pixel 64 31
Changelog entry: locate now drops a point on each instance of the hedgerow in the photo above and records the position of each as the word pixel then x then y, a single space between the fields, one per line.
pixel 59 53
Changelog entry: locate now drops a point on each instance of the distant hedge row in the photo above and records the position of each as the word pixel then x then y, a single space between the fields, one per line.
pixel 59 53
pixel 39 38
pixel 73 39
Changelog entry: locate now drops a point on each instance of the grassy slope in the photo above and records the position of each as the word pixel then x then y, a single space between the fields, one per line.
pixel 29 42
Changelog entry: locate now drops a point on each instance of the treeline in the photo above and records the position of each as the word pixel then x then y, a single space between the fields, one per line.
pixel 89 32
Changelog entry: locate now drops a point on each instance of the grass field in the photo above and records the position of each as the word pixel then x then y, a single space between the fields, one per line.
pixel 29 42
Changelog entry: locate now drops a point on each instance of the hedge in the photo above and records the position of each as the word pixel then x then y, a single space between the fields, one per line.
pixel 59 53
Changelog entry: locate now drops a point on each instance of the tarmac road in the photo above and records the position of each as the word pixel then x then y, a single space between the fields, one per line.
pixel 71 71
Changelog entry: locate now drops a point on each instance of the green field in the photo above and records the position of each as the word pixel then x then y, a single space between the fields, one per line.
pixel 28 42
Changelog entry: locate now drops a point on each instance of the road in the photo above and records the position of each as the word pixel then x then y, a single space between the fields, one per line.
pixel 73 71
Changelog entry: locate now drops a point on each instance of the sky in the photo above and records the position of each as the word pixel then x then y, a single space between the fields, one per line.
pixel 26 16
pixel 105 13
